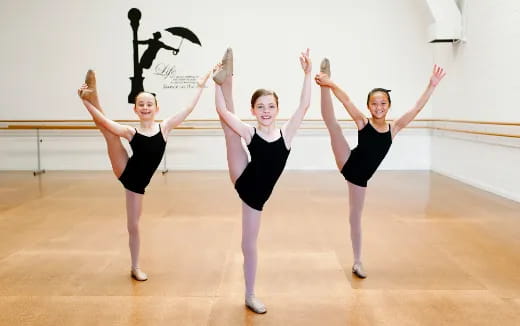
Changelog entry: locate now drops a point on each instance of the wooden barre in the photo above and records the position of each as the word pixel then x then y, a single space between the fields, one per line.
pixel 48 127
pixel 476 132
pixel 498 123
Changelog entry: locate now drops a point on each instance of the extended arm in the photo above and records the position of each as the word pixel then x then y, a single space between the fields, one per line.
pixel 405 119
pixel 173 121
pixel 291 126
pixel 356 115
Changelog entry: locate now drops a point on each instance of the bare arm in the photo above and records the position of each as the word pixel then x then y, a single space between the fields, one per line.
pixel 356 115
pixel 405 119
pixel 171 122
pixel 242 129
pixel 291 126
pixel 112 126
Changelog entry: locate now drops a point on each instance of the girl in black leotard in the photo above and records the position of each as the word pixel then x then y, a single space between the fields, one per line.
pixel 148 143
pixel 269 147
pixel 375 136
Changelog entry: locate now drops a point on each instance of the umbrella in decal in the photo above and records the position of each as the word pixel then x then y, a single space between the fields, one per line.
pixel 184 33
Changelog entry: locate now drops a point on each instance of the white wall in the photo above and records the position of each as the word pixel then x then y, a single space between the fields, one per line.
pixel 482 84
pixel 48 46
pixel 482 72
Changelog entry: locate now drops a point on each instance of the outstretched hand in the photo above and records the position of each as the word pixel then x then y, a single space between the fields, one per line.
pixel 437 75
pixel 305 61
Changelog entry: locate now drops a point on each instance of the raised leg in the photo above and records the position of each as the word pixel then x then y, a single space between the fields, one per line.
pixel 116 152
pixel 340 146
pixel 236 154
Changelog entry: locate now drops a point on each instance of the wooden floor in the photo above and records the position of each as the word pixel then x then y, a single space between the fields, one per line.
pixel 437 252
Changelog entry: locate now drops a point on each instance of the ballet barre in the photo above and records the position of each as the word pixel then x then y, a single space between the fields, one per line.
pixel 473 132
pixel 39 140
pixel 442 125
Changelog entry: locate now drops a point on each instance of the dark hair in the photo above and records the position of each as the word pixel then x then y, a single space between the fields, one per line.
pixel 262 92
pixel 383 90
pixel 145 92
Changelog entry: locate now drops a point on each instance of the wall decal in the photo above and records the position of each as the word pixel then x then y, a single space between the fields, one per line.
pixel 154 45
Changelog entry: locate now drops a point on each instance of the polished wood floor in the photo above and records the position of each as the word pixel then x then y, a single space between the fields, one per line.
pixel 437 252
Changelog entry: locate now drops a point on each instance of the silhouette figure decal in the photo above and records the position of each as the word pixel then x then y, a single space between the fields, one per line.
pixel 154 46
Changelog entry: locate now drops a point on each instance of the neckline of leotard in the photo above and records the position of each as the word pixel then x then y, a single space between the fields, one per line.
pixel 382 133
pixel 269 142
pixel 137 132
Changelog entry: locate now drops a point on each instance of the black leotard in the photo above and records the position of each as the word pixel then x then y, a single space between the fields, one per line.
pixel 366 157
pixel 256 183
pixel 146 157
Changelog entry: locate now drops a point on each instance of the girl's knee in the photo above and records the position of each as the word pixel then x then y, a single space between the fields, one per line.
pixel 133 228
pixel 248 247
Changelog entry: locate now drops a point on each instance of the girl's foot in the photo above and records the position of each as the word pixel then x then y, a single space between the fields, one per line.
pixel 138 274
pixel 357 269
pixel 90 94
pixel 227 61
pixel 325 66
pixel 255 305
pixel 219 75
pixel 226 69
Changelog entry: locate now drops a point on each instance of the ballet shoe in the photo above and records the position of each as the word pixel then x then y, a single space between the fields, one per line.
pixel 357 269
pixel 325 66
pixel 255 305
pixel 90 94
pixel 227 61
pixel 227 68
pixel 219 76
pixel 138 274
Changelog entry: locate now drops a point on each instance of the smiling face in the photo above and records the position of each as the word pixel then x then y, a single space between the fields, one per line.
pixel 378 104
pixel 264 106
pixel 146 106
pixel 265 109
